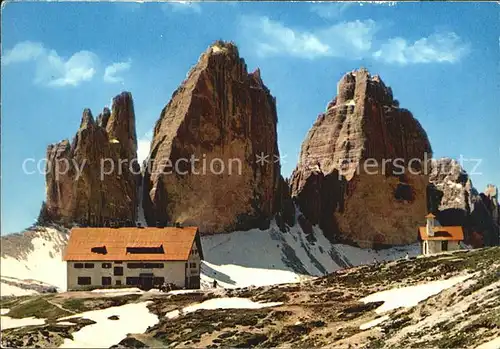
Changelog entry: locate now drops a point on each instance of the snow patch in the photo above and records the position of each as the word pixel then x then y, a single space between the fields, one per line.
pixel 493 344
pixel 410 296
pixel 120 291
pixel 229 303
pixel 132 318
pixel 222 303
pixel 269 249
pixel 11 290
pixel 183 291
pixel 141 218
pixel 4 311
pixel 357 256
pixel 43 263
pixel 231 275
pixel 7 322
pixel 264 257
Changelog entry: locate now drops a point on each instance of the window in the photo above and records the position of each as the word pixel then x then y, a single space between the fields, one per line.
pixel 139 250
pixel 99 249
pixel 106 280
pixel 118 282
pixel 153 265
pixel 444 245
pixel 84 280
pixel 192 265
pixel 134 265
pixel 132 281
pixel 89 265
pixel 140 265
pixel 118 271
pixel 106 265
pixel 78 265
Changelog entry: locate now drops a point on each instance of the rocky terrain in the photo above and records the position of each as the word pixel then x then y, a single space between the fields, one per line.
pixel 451 300
pixel 490 198
pixel 454 201
pixel 341 181
pixel 224 118
pixel 93 180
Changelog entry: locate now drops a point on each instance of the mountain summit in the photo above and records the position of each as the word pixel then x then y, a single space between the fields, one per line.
pixel 214 159
pixel 343 183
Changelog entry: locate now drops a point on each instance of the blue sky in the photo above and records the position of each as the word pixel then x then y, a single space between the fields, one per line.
pixel 441 60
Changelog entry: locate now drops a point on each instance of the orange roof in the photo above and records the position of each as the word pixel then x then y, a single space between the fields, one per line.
pixel 166 244
pixel 443 233
pixel 430 215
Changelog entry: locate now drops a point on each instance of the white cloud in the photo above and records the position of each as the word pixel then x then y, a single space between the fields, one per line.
pixel 143 147
pixel 350 39
pixel 377 2
pixel 343 39
pixel 436 48
pixel 23 52
pixel 52 69
pixel 353 40
pixel 334 10
pixel 115 68
pixel 182 6
pixel 331 9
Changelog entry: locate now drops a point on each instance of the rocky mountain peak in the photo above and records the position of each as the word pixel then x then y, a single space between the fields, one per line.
pixel 224 47
pixel 120 126
pixel 87 119
pixel 220 114
pixel 79 188
pixel 362 123
pixel 491 191
pixel 361 84
pixel 103 118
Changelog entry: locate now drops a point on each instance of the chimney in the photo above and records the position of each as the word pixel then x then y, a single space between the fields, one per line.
pixel 430 224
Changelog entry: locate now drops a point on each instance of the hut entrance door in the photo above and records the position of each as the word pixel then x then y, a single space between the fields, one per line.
pixel 146 281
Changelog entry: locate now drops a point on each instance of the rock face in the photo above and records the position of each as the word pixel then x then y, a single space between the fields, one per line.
pixel 341 182
pixel 454 201
pixel 491 201
pixel 214 159
pixel 93 180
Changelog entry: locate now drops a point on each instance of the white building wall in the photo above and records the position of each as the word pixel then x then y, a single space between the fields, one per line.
pixel 177 272
pixel 434 246
pixel 173 272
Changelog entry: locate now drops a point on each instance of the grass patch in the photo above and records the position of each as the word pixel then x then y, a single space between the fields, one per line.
pixel 37 307
pixel 80 305
pixel 10 301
